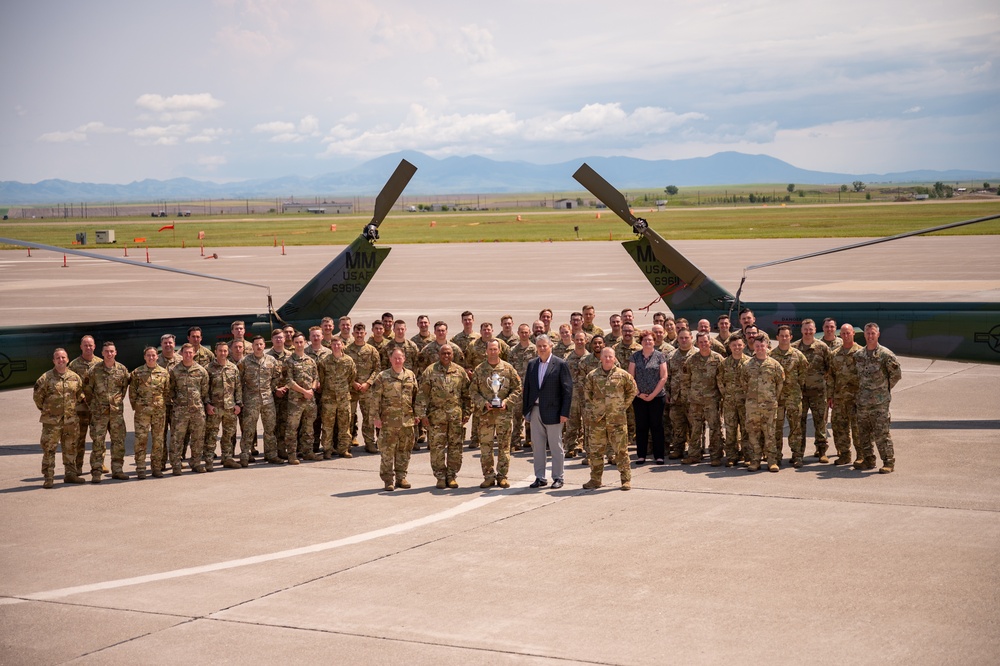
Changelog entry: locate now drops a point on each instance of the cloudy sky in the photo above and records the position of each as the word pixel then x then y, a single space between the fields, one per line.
pixel 115 91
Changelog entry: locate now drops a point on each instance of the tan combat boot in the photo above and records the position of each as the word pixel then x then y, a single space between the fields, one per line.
pixel 72 476
pixel 403 483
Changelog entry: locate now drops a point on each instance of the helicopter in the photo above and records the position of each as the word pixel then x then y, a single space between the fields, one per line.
pixel 26 351
pixel 933 330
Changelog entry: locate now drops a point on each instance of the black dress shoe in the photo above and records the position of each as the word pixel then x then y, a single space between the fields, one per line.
pixel 538 483
pixel 557 484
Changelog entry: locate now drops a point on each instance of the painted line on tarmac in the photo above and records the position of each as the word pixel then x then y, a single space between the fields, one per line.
pixel 465 507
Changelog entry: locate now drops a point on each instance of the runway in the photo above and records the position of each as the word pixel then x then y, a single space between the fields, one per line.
pixel 695 564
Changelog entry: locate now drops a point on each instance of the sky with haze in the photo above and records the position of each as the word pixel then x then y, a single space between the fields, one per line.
pixel 222 90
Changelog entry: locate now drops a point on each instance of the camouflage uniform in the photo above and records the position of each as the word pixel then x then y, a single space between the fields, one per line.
pixel 82 368
pixel 203 356
pixel 366 364
pixel 280 402
pixel 724 343
pixel 167 364
pixel 463 340
pixel 519 357
pixel 834 345
pixel 443 399
pixel 794 363
pixel 317 424
pixel 579 368
pixel 734 413
pixel 700 380
pixel 57 397
pixel 680 427
pixel 104 390
pixel 510 340
pixel 259 378
pixel 495 422
pixel 379 347
pixel 878 372
pixel 393 399
pixel 592 362
pixel 623 354
pixel 149 393
pixel 225 393
pixel 300 370
pixel 844 391
pixel 815 392
pixel 421 342
pixel 561 349
pixel 188 395
pixel 475 354
pixel 607 394
pixel 410 349
pixel 717 346
pixel 336 375
pixel 592 330
pixel 429 355
pixel 666 348
pixel 761 382
pixel 418 369
pixel 610 339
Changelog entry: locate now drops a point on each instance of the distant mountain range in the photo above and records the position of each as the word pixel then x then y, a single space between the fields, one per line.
pixel 475 174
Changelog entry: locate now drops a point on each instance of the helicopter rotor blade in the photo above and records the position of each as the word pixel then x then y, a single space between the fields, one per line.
pixel 130 262
pixel 873 241
pixel 606 192
pixel 393 187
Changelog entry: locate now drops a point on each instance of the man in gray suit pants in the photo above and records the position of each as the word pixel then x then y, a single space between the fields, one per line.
pixel 548 391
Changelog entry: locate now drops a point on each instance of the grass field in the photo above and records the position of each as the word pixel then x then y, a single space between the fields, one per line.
pixel 772 221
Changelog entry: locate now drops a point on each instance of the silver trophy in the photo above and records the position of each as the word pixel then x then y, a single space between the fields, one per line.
pixel 495 384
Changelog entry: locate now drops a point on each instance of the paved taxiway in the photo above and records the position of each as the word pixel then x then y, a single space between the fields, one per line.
pixel 696 564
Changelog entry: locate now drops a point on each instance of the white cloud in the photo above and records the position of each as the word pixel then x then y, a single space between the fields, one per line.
pixel 63 137
pixel 209 135
pixel 309 125
pixel 197 102
pixel 486 133
pixel 475 44
pixel 179 108
pixel 914 109
pixel 159 135
pixel 274 127
pixel 286 132
pixel 79 134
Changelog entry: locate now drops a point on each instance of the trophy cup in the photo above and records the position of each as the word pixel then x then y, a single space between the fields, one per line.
pixel 495 384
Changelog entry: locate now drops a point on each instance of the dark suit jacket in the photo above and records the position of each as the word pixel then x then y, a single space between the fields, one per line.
pixel 554 395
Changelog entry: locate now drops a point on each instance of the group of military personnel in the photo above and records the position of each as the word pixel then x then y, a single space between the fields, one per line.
pixel 314 392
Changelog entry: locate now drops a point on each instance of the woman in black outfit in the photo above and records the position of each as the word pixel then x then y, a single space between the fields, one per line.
pixel 649 368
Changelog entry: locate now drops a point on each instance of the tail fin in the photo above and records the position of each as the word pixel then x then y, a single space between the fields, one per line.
pixel 678 282
pixel 336 288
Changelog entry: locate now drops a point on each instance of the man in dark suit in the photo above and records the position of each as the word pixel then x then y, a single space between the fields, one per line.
pixel 548 391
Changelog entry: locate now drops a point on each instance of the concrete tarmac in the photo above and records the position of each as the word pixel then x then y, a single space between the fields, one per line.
pixel 316 564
